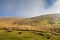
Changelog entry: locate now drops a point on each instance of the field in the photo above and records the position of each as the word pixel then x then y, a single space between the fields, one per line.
pixel 26 35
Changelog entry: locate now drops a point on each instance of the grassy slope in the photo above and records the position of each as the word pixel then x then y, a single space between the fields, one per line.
pixel 25 35
pixel 39 23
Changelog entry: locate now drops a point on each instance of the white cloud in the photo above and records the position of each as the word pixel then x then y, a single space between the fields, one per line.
pixel 55 8
pixel 31 8
pixel 36 8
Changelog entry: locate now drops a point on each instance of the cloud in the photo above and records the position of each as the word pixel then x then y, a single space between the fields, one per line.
pixel 31 8
pixel 37 7
pixel 55 8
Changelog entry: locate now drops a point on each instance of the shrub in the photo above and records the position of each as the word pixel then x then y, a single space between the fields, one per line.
pixel 48 36
pixel 39 33
pixel 19 32
pixel 9 31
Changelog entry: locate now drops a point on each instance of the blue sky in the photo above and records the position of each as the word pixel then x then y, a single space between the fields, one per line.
pixel 28 8
pixel 49 3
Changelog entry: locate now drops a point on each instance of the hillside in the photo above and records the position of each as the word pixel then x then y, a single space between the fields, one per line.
pixel 46 23
pixel 45 27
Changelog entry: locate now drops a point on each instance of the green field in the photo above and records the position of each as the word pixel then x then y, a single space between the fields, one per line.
pixel 26 35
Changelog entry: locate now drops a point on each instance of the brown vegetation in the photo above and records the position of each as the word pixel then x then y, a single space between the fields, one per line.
pixel 43 23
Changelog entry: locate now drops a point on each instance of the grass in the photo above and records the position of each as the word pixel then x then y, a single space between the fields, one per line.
pixel 25 35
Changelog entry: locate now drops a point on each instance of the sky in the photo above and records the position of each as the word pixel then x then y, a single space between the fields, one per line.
pixel 28 8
